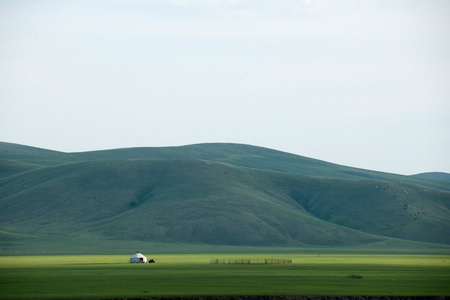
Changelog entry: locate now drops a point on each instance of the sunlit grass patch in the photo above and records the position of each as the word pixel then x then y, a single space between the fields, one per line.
pixel 112 276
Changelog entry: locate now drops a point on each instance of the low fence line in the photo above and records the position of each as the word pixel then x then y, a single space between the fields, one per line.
pixel 250 261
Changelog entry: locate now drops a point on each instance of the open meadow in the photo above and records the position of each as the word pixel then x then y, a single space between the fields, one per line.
pixel 112 276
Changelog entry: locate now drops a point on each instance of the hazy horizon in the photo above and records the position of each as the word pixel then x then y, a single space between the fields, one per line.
pixel 357 83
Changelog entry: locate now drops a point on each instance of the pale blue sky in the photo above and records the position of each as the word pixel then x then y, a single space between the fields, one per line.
pixel 359 83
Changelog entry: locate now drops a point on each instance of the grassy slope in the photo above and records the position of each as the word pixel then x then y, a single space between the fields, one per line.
pixel 235 154
pixel 434 176
pixel 31 155
pixel 147 200
pixel 195 201
pixel 50 195
pixel 259 158
pixel 10 167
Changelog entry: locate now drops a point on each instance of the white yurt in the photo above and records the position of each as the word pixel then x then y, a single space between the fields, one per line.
pixel 138 258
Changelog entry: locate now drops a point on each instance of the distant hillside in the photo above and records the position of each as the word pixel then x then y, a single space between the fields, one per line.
pixel 434 176
pixel 118 195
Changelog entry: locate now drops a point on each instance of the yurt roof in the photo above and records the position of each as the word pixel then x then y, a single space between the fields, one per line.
pixel 139 255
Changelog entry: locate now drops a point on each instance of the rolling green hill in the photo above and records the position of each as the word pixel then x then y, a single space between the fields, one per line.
pixel 434 176
pixel 235 154
pixel 218 194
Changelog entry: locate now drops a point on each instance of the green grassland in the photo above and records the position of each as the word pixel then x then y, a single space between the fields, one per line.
pixel 111 276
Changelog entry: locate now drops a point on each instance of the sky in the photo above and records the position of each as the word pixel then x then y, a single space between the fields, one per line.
pixel 362 83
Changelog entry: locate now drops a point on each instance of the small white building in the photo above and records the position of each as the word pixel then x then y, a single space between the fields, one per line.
pixel 138 258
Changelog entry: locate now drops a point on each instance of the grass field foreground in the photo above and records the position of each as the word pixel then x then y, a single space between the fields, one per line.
pixel 111 276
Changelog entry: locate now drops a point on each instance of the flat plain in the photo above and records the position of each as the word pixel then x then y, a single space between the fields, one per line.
pixel 178 275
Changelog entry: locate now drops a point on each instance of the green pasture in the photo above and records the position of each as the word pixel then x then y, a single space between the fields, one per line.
pixel 111 276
